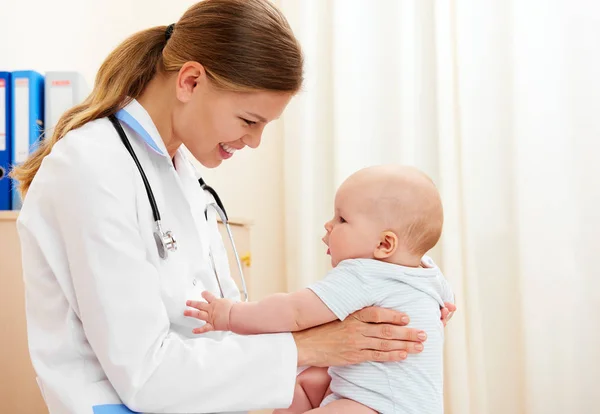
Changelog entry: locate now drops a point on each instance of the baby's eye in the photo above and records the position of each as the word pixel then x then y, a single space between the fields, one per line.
pixel 342 220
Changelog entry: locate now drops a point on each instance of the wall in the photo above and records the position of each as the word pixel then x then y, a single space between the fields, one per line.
pixel 78 35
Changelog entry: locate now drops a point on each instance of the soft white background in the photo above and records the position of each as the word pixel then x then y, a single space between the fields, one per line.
pixel 498 100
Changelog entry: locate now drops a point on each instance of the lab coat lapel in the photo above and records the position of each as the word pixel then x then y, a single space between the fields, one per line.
pixel 136 118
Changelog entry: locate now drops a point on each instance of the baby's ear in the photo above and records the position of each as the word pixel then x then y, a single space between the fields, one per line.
pixel 388 243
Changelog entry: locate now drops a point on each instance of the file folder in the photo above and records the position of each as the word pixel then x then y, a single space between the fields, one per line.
pixel 63 90
pixel 5 141
pixel 27 118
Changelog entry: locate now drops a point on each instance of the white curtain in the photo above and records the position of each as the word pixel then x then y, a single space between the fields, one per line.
pixel 498 102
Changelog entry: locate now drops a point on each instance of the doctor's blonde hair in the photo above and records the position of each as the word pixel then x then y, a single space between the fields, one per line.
pixel 244 45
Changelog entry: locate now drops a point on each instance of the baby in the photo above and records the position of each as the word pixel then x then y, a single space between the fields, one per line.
pixel 386 219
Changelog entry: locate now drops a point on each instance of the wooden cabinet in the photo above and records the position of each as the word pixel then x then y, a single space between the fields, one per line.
pixel 19 393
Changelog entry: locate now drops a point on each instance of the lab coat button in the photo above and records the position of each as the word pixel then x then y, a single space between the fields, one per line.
pixel 194 282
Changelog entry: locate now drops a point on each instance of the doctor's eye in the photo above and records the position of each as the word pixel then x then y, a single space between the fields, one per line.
pixel 248 122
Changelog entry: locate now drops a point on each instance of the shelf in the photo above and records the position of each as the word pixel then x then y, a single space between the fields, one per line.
pixel 12 215
pixel 235 221
pixel 9 215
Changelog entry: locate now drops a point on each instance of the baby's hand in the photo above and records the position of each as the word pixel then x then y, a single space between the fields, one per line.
pixel 215 313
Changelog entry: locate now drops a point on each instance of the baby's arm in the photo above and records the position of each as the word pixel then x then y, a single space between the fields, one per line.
pixel 281 312
pixel 446 291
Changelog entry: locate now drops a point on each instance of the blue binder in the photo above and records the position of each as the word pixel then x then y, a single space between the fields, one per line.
pixel 27 118
pixel 5 141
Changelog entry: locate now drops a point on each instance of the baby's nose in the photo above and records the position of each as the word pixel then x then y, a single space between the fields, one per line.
pixel 326 236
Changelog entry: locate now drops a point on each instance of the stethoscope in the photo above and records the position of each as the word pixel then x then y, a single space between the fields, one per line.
pixel 165 242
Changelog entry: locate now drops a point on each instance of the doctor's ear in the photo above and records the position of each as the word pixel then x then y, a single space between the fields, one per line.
pixel 189 77
pixel 388 243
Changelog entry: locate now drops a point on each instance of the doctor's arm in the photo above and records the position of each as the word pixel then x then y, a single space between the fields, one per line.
pixel 281 312
pixel 369 334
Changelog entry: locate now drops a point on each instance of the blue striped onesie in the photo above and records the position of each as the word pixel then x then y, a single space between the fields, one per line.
pixel 412 386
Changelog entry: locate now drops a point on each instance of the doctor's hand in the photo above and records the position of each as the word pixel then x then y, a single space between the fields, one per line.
pixel 371 334
pixel 215 312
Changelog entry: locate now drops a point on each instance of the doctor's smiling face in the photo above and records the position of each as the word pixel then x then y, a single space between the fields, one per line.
pixel 213 123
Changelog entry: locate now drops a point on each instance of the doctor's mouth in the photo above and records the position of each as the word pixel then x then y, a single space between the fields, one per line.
pixel 227 151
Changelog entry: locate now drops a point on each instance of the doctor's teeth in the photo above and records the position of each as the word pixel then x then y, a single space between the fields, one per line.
pixel 227 148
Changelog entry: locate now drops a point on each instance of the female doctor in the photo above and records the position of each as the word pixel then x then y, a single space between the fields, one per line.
pixel 105 297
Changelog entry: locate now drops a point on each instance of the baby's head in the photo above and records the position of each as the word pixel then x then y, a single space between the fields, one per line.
pixel 388 212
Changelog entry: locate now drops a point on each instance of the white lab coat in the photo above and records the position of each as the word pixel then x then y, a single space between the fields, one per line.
pixel 105 314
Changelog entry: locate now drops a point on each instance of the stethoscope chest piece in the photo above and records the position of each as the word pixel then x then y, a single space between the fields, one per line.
pixel 165 242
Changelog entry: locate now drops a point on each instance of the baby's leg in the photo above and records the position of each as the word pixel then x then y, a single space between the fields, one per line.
pixel 311 386
pixel 343 406
pixel 300 403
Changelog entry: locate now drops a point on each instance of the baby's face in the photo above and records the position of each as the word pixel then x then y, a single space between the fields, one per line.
pixel 353 233
pixel 384 210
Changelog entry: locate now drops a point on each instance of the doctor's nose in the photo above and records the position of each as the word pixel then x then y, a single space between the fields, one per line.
pixel 253 139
